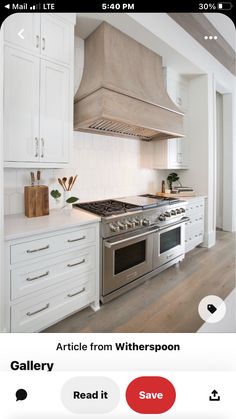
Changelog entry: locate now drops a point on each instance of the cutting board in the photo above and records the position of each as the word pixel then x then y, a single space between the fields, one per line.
pixel 175 195
pixel 36 201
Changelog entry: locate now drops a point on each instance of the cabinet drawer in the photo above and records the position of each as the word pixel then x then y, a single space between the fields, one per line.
pixel 193 241
pixel 42 247
pixel 194 227
pixel 44 309
pixel 35 277
pixel 195 207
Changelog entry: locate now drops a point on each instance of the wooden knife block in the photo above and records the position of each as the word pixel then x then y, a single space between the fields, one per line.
pixel 36 201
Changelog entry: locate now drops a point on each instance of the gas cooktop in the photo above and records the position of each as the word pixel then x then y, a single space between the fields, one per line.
pixel 108 207
pixel 111 207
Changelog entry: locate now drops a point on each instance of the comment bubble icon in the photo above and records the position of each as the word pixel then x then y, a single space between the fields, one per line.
pixel 21 394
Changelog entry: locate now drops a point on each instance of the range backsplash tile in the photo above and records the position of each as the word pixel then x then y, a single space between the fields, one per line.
pixel 107 167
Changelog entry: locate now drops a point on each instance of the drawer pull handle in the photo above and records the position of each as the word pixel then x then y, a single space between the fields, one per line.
pixel 70 265
pixel 38 277
pixel 76 293
pixel 38 311
pixel 76 240
pixel 37 250
pixel 44 44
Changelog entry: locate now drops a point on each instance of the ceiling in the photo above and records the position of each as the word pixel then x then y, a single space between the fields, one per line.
pixel 222 50
pixel 200 27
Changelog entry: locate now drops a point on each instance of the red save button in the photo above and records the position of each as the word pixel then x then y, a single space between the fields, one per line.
pixel 150 395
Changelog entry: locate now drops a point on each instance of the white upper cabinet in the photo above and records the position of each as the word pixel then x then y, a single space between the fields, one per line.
pixel 43 34
pixel 55 39
pixel 38 90
pixel 54 112
pixel 173 153
pixel 21 106
pixel 28 25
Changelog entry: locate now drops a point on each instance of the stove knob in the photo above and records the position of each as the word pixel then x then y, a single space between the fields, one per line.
pixel 146 222
pixel 162 217
pixel 122 226
pixel 167 214
pixel 173 212
pixel 182 210
pixel 137 221
pixel 178 211
pixel 114 228
pixel 131 224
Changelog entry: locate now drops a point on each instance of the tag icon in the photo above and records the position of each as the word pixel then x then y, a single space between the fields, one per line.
pixel 211 308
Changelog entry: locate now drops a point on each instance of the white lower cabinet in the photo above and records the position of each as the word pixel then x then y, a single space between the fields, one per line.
pixel 194 228
pixel 43 288
pixel 45 308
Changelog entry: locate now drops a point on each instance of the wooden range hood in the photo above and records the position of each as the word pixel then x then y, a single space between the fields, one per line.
pixel 122 91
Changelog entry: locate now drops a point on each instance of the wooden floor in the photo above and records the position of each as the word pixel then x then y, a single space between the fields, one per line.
pixel 167 302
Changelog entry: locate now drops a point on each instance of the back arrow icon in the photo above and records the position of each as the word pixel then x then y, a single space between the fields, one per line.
pixel 20 34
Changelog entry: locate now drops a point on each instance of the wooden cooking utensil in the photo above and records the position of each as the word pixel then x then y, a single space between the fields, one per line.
pixel 38 176
pixel 61 183
pixel 74 181
pixel 70 183
pixel 64 180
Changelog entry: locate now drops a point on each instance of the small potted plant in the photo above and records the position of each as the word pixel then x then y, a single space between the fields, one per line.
pixel 173 177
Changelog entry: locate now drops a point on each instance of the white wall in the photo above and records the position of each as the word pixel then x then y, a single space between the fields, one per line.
pixel 202 154
pixel 219 160
pixel 107 167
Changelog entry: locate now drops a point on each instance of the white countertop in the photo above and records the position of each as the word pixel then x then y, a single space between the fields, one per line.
pixel 18 226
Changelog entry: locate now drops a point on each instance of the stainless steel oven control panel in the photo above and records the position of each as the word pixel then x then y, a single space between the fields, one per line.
pixel 164 215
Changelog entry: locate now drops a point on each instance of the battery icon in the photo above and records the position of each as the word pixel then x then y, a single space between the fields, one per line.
pixel 224 6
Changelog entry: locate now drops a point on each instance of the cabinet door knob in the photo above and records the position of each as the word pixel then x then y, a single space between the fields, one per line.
pixel 43 44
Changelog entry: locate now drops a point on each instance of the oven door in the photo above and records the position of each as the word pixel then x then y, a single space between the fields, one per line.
pixel 126 258
pixel 168 243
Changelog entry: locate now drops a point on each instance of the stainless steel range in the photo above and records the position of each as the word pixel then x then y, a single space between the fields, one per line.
pixel 141 236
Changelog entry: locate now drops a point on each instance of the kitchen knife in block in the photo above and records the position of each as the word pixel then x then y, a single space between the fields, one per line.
pixel 36 201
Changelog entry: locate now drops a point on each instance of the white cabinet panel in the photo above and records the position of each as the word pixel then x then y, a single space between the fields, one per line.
pixel 54 113
pixel 51 277
pixel 30 23
pixel 173 153
pixel 194 228
pixel 40 248
pixel 43 309
pixel 55 39
pixel 37 276
pixel 21 106
pixel 38 94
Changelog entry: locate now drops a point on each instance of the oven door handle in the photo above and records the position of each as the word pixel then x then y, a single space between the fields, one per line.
pixel 110 245
pixel 183 220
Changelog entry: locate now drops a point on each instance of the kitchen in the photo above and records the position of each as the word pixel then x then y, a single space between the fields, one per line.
pixel 112 166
